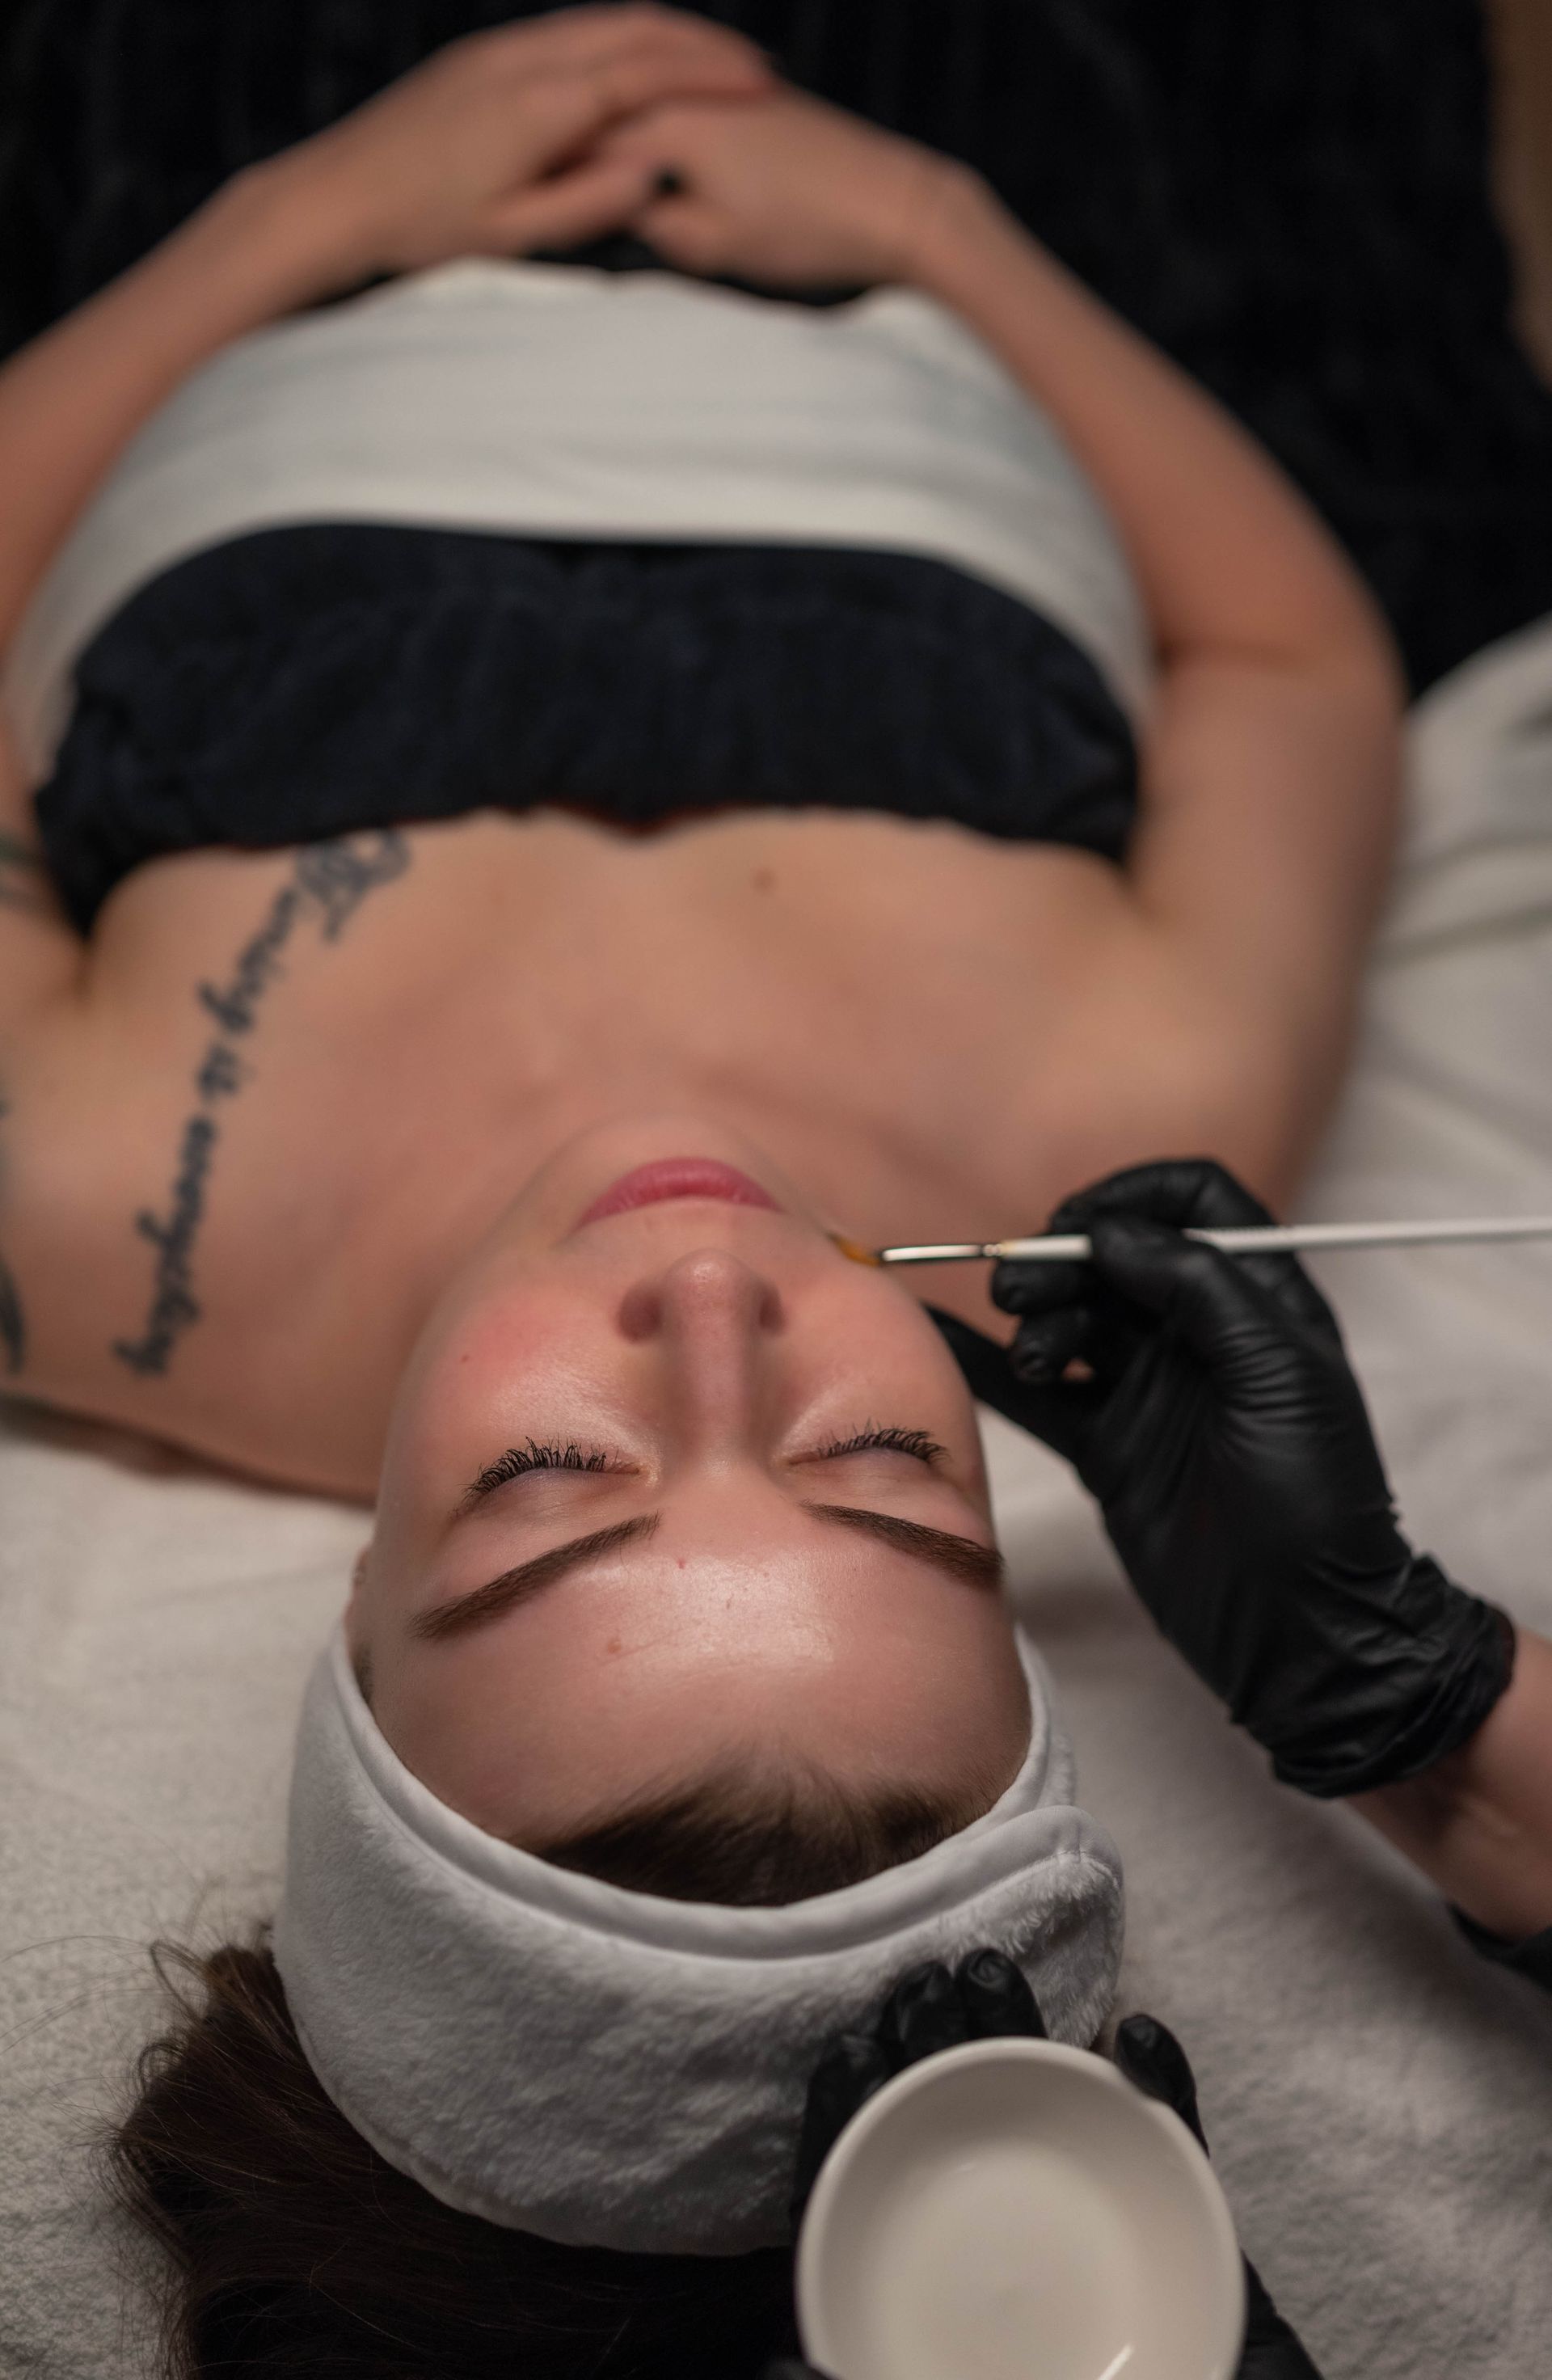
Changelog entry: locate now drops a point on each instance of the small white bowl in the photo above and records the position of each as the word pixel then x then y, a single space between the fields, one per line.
pixel 1015 2210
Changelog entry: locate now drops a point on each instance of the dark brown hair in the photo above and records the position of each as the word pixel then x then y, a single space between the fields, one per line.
pixel 298 2253
pixel 750 1846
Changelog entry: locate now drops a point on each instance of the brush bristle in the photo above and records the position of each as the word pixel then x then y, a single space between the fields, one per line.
pixel 855 1249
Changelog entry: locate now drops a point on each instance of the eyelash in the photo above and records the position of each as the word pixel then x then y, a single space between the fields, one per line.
pixel 533 1456
pixel 536 1456
pixel 892 1441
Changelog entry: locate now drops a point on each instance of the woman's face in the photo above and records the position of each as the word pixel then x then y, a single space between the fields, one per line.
pixel 672 1487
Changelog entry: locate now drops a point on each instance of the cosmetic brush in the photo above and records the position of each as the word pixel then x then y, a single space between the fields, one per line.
pixel 1254 1239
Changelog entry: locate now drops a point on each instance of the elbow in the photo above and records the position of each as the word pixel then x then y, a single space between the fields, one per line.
pixel 1355 645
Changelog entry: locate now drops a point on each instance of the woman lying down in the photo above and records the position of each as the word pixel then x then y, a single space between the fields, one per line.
pixel 554 792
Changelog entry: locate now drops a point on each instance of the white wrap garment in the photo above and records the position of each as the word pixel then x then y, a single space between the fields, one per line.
pixel 558 401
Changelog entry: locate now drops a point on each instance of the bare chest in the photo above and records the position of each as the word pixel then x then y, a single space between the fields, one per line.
pixel 316 1077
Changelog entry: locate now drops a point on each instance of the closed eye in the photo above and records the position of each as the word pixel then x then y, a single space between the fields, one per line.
pixel 535 1455
pixel 914 1442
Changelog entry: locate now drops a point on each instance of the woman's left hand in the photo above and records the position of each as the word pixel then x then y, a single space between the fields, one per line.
pixel 784 190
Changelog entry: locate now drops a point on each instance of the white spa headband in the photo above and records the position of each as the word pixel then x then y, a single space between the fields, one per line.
pixel 606 2068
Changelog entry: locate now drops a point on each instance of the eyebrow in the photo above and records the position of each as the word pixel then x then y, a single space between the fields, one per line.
pixel 529 1578
pixel 962 1558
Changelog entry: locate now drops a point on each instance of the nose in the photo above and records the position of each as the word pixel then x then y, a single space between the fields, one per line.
pixel 714 1321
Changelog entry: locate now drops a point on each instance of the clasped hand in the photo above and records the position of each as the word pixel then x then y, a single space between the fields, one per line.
pixel 559 129
pixel 492 147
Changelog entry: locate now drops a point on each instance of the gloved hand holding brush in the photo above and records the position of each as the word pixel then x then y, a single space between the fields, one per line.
pixel 1219 1424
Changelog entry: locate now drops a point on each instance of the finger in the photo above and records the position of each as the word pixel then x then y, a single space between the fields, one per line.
pixel 1219 1303
pixel 568 209
pixel 1201 1292
pixel 1199 1194
pixel 1103 1334
pixel 1178 1190
pixel 686 231
pixel 1272 2351
pixel 566 112
pixel 1208 1197
pixel 1060 1415
pixel 850 2071
pixel 923 2014
pixel 1152 2059
pixel 1285 1279
pixel 1036 1287
pixel 582 36
pixel 643 78
pixel 1047 1343
pixel 998 1997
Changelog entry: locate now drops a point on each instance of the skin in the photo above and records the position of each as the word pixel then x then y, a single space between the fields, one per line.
pixel 1479 1825
pixel 710 1355
pixel 281 1101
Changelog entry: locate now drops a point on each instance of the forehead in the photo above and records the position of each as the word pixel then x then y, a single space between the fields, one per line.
pixel 846 1656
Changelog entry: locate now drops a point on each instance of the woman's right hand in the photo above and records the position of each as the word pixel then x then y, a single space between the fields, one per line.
pixel 489 148
pixel 788 192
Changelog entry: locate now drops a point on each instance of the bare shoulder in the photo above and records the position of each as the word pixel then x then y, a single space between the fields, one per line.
pixel 1270 809
pixel 159 1123
pixel 78 1103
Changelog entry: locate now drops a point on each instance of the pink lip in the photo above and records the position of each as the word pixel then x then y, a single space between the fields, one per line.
pixel 677 1177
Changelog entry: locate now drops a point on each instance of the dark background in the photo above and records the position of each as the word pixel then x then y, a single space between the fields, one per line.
pixel 1290 196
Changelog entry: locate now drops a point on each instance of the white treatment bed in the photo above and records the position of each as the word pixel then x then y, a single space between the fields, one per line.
pixel 1380 2104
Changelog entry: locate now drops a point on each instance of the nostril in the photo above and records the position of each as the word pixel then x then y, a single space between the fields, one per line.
pixel 641 1315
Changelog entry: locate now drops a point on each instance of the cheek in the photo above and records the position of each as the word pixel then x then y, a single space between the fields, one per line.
pixel 512 1369
pixel 895 1347
pixel 506 1355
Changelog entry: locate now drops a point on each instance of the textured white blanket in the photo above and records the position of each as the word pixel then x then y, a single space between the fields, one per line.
pixel 1380 2105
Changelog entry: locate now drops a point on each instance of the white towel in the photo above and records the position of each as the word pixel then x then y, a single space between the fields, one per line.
pixel 605 2067
pixel 555 401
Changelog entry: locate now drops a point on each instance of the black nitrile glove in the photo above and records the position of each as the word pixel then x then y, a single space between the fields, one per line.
pixel 929 2010
pixel 1150 2057
pixel 1227 1442
pixel 985 1997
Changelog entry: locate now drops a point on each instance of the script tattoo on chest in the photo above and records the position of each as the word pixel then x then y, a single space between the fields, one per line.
pixel 329 882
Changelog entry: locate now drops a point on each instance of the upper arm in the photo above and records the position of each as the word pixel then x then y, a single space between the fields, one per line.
pixel 42 957
pixel 1266 824
pixel 42 961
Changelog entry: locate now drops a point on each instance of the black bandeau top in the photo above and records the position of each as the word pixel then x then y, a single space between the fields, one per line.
pixel 303 682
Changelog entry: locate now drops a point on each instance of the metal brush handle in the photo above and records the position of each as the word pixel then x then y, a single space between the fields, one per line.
pixel 1254 1239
